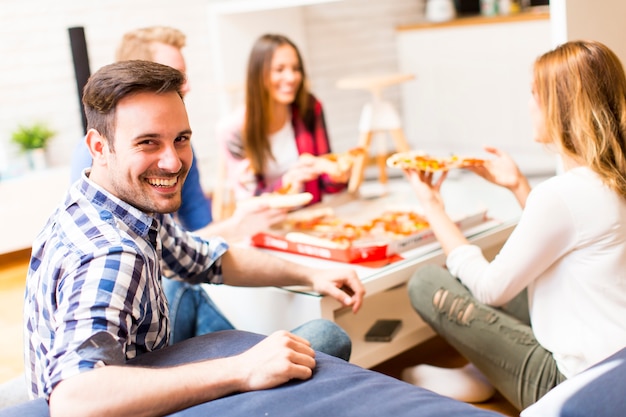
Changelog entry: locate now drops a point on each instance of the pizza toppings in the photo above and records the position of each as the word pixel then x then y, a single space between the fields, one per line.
pixel 336 164
pixel 422 161
pixel 324 226
pixel 286 189
pixel 469 162
pixel 279 201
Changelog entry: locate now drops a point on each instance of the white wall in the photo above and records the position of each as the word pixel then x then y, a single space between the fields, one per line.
pixel 472 89
pixel 601 20
pixel 37 83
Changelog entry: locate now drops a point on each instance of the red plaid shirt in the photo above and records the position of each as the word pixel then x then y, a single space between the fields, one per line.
pixel 312 140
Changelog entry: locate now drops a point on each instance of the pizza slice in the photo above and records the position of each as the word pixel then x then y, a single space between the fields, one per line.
pixel 466 162
pixel 279 201
pixel 308 239
pixel 321 227
pixel 399 223
pixel 422 161
pixel 419 161
pixel 286 188
pixel 336 164
pixel 310 220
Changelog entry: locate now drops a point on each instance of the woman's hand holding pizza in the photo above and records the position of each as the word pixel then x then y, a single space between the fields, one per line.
pixel 305 169
pixel 338 167
pixel 336 173
pixel 502 170
pixel 427 188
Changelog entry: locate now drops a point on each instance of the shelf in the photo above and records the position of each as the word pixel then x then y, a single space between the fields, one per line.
pixel 247 6
pixel 478 20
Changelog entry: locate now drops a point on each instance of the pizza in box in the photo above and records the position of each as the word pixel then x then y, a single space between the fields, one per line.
pixel 321 233
pixel 324 228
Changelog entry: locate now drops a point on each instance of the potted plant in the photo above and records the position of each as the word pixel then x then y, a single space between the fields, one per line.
pixel 33 140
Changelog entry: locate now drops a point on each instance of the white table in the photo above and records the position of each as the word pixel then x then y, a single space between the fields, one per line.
pixel 265 310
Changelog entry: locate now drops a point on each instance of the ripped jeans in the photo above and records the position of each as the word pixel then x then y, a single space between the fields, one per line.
pixel 498 341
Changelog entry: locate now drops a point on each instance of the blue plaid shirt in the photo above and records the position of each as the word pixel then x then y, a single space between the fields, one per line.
pixel 93 293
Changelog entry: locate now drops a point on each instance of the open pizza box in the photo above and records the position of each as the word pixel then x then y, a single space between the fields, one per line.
pixel 372 248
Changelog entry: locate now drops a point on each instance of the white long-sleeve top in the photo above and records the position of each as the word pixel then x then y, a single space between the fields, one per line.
pixel 569 249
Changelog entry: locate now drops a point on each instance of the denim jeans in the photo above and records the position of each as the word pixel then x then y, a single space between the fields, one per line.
pixel 498 341
pixel 193 313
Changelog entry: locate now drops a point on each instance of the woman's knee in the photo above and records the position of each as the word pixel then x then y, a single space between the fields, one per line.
pixel 425 286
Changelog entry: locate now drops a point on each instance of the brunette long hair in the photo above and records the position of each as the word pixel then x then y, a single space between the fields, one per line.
pixel 256 143
pixel 581 88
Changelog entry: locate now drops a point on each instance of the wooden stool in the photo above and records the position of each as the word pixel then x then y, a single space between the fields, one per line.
pixel 377 115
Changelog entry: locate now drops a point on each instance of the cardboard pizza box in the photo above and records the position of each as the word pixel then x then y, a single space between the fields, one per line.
pixel 360 250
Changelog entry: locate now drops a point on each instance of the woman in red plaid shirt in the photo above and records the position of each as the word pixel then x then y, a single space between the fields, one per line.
pixel 273 142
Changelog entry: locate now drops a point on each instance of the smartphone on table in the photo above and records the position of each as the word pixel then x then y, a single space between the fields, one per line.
pixel 383 330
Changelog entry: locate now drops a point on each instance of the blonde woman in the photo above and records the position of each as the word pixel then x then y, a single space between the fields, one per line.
pixel 565 262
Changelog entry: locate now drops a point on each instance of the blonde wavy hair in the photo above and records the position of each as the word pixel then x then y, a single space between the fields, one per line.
pixel 581 88
pixel 137 44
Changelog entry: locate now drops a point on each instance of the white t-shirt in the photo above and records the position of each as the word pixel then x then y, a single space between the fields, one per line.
pixel 285 153
pixel 569 249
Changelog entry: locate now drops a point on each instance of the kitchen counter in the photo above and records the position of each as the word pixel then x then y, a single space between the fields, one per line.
pixel 538 14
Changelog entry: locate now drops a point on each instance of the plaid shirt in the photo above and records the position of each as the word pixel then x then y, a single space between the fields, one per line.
pixel 93 293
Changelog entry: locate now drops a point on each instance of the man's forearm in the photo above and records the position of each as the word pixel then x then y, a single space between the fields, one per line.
pixel 247 267
pixel 146 392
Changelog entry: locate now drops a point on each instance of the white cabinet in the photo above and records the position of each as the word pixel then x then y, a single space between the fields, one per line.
pixel 26 204
pixel 472 86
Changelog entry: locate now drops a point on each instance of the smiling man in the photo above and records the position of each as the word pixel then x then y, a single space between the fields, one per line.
pixel 93 295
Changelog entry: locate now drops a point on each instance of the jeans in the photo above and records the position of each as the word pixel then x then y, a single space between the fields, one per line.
pixel 498 341
pixel 193 313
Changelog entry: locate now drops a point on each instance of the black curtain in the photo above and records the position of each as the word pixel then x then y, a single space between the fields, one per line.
pixel 81 66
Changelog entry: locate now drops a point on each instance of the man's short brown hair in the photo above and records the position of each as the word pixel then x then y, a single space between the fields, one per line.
pixel 111 83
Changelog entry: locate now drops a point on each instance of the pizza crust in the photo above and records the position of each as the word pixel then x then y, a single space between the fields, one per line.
pixel 422 161
pixel 307 239
pixel 336 164
pixel 279 201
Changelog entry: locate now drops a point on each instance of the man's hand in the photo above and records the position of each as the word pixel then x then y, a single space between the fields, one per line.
pixel 254 219
pixel 275 360
pixel 247 220
pixel 163 391
pixel 341 284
